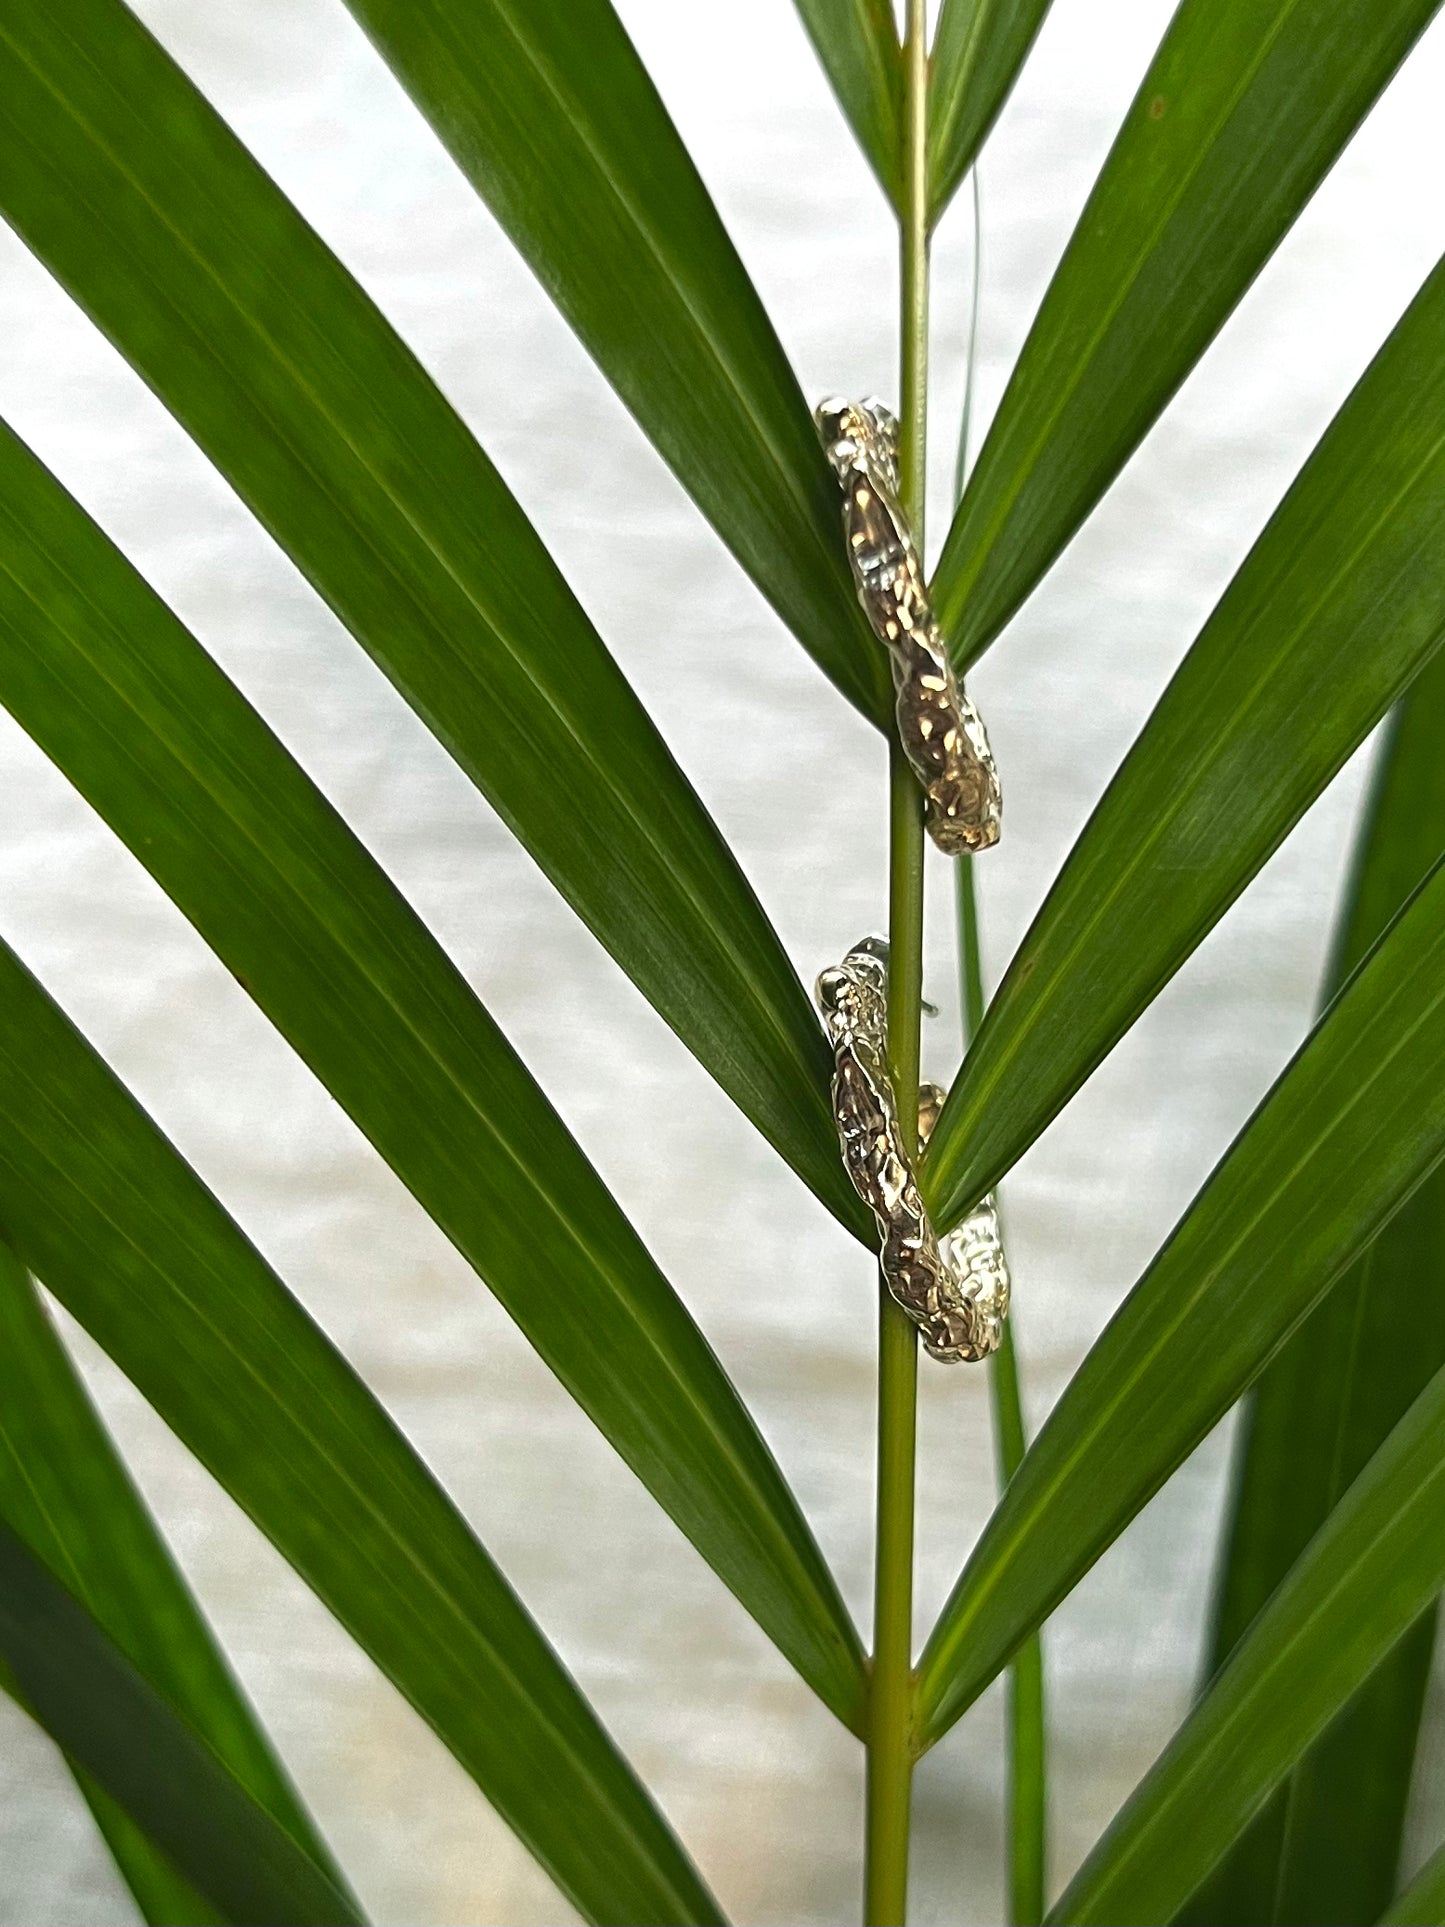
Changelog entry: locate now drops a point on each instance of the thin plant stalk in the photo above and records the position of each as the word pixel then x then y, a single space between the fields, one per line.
pixel 891 1696
pixel 890 1714
pixel 965 426
pixel 1027 1796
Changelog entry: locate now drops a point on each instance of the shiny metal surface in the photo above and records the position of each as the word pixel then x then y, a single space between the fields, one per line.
pixel 941 732
pixel 955 1289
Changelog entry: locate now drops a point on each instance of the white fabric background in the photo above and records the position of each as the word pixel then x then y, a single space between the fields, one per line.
pixel 761 1784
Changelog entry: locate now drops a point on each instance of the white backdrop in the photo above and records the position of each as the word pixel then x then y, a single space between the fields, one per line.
pixel 762 1785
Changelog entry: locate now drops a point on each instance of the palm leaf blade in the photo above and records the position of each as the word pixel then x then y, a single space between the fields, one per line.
pixel 1329 1844
pixel 978 51
pixel 857 45
pixel 1422 1904
pixel 66 1493
pixel 1351 1127
pixel 1339 603
pixel 105 1213
pixel 1244 109
pixel 100 672
pixel 1364 1578
pixel 139 199
pixel 555 121
pixel 107 1716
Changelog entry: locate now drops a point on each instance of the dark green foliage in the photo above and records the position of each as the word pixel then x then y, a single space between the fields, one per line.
pixel 1318 1241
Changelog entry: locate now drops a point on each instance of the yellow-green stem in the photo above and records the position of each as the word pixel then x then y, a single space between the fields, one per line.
pixel 891 1696
pixel 1027 1781
pixel 890 1705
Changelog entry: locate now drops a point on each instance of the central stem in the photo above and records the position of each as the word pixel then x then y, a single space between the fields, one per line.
pixel 890 1712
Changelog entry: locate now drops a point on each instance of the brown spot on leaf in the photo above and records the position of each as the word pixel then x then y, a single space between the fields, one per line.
pixel 1156 107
